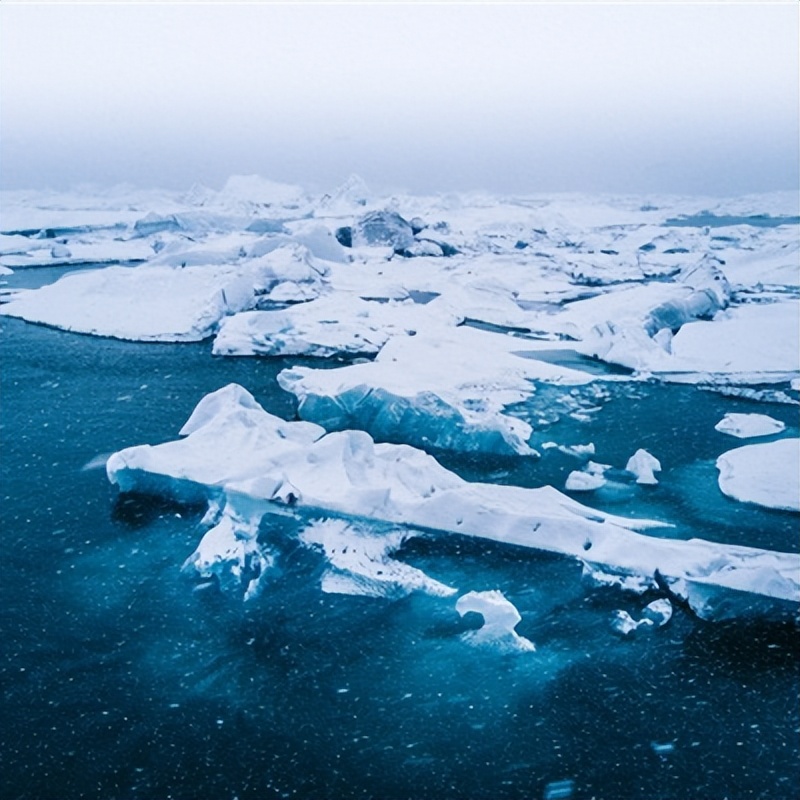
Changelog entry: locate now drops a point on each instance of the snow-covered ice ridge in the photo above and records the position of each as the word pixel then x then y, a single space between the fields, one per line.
pixel 248 464
pixel 507 292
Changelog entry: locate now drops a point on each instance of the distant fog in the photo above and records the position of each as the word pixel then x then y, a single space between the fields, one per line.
pixel 534 98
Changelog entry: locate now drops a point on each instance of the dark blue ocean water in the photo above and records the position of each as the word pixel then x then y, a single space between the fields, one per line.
pixel 120 680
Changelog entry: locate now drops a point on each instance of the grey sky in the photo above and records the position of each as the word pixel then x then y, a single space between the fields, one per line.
pixel 519 98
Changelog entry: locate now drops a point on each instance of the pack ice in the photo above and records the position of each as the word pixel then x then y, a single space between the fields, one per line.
pixel 248 463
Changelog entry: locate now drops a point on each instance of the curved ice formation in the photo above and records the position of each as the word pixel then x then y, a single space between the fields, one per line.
pixel 500 618
pixel 747 426
pixel 765 474
pixel 655 615
pixel 234 451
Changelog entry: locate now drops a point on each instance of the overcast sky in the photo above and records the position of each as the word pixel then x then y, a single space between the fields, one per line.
pixel 516 98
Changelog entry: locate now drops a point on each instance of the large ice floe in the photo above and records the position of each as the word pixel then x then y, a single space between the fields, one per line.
pixel 168 303
pixel 765 474
pixel 248 463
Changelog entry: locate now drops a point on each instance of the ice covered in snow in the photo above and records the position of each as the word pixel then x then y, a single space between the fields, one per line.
pixel 446 387
pixel 165 303
pixel 747 426
pixel 235 452
pixel 765 474
pixel 642 464
pixel 591 477
pixel 359 561
pixel 328 326
pixel 500 618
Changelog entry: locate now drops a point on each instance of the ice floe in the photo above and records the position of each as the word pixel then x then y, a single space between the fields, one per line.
pixel 765 474
pixel 235 452
pixel 359 561
pixel 747 426
pixel 166 303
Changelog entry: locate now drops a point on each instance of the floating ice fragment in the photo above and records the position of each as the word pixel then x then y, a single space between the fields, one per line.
pixel 655 615
pixel 643 465
pixel 579 481
pixel 745 426
pixel 500 617
pixel 765 474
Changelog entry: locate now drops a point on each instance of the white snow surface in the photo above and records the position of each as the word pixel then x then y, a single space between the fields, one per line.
pixel 642 464
pixel 765 474
pixel 360 562
pixel 239 455
pixel 748 426
pixel 166 303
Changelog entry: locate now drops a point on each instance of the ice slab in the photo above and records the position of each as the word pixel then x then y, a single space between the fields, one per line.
pixel 234 451
pixel 655 615
pixel 500 618
pixel 328 326
pixel 747 426
pixel 446 387
pixel 765 474
pixel 164 303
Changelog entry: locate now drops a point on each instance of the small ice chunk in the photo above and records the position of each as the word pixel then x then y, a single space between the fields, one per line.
pixel 746 426
pixel 624 623
pixel 643 465
pixel 659 611
pixel 579 481
pixel 500 617
pixel 655 615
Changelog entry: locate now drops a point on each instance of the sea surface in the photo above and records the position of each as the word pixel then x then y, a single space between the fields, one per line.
pixel 121 678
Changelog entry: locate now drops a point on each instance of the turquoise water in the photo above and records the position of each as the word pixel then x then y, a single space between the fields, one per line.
pixel 121 679
pixel 705 219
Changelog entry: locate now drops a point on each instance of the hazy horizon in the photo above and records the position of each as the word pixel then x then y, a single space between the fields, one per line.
pixel 687 99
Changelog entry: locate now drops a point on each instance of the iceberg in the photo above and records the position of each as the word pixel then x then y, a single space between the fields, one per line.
pixel 382 229
pixel 765 474
pixel 232 451
pixel 500 618
pixel 748 426
pixel 445 388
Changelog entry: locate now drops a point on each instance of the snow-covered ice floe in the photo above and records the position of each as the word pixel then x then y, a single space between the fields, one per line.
pixel 167 303
pixel 765 474
pixel 247 463
pixel 748 426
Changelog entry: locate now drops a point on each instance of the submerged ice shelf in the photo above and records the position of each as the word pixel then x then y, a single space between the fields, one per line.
pixel 249 463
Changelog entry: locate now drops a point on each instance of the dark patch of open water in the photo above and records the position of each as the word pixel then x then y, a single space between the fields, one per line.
pixel 121 681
